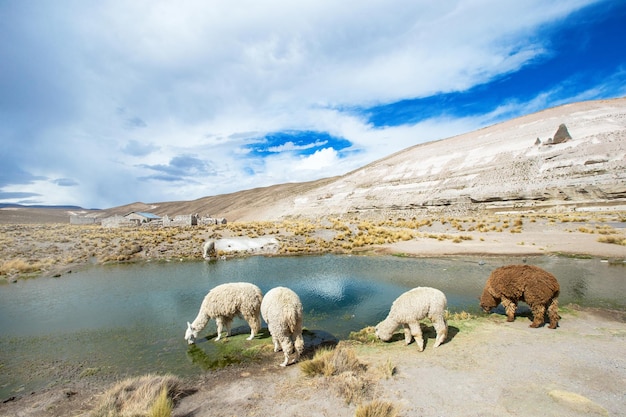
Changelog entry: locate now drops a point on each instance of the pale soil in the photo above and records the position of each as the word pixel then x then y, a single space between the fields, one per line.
pixel 487 367
pixel 491 368
pixel 536 239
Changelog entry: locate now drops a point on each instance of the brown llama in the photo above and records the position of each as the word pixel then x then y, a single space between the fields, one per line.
pixel 514 283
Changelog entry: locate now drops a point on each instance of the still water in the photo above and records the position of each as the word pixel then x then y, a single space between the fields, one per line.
pixel 130 319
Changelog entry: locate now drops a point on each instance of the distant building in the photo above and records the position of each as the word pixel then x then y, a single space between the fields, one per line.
pixel 211 220
pixel 118 221
pixel 141 217
pixel 180 220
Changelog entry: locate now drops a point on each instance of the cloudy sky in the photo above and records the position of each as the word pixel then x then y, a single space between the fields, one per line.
pixel 104 103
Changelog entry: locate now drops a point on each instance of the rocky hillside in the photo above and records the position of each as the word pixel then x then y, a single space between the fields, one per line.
pixel 572 156
pixel 517 164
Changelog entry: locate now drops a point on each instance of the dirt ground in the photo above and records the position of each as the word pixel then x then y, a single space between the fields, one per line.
pixel 487 367
pixel 491 368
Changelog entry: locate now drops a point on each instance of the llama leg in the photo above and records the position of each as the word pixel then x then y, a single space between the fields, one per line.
pixel 509 308
pixel 298 347
pixel 441 327
pixel 255 325
pixel 287 346
pixel 223 322
pixel 553 313
pixel 416 331
pixel 277 347
pixel 539 312
pixel 220 325
pixel 228 323
pixel 408 337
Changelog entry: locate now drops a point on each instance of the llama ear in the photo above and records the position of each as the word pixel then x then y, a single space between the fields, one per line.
pixel 188 325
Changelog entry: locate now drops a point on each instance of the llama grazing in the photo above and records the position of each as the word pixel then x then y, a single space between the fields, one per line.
pixel 514 283
pixel 223 303
pixel 411 307
pixel 282 311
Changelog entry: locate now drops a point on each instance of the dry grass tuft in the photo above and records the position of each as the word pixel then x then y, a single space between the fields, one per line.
pixel 376 408
pixel 365 335
pixel 459 316
pixel 163 405
pixel 387 369
pixel 148 395
pixel 613 239
pixel 341 367
pixel 316 365
pixel 16 266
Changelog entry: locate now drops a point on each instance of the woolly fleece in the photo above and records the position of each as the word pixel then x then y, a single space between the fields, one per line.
pixel 411 307
pixel 223 303
pixel 514 283
pixel 282 311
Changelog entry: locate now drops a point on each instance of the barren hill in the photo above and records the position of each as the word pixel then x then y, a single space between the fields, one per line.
pixel 512 165
pixel 508 166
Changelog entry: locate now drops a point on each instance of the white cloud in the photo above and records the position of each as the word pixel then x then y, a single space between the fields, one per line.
pixel 121 89
pixel 290 146
pixel 319 161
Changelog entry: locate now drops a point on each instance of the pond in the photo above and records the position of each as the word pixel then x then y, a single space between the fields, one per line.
pixel 131 319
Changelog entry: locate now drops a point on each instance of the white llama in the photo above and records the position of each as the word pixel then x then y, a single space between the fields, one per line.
pixel 223 303
pixel 282 311
pixel 411 307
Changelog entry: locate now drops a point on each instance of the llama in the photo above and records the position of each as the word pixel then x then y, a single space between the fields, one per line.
pixel 411 307
pixel 223 303
pixel 282 311
pixel 514 283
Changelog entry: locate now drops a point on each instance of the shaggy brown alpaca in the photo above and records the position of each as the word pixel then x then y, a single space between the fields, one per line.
pixel 514 283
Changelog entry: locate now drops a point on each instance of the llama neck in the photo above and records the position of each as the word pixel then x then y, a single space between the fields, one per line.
pixel 200 321
pixel 388 326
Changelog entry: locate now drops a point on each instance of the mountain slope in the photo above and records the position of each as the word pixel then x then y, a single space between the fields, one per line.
pixel 499 167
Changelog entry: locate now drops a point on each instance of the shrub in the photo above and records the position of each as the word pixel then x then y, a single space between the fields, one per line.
pixel 342 368
pixel 140 396
pixel 17 266
pixel 376 408
pixel 613 239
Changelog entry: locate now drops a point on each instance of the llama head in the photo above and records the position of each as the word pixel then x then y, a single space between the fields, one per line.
pixel 488 301
pixel 384 331
pixel 190 334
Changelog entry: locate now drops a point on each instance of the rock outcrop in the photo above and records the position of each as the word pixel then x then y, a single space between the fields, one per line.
pixel 561 136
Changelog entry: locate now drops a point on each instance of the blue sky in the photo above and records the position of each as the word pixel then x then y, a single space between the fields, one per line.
pixel 111 102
